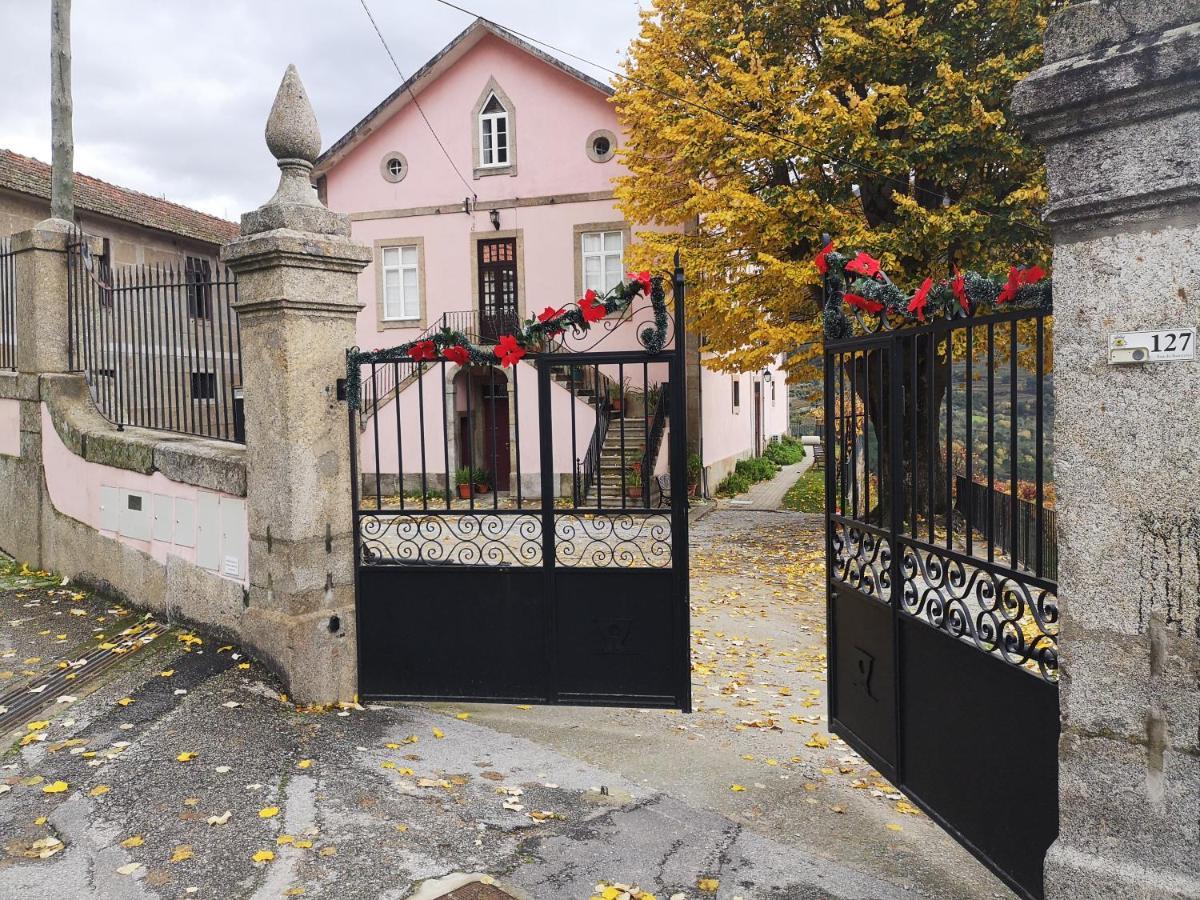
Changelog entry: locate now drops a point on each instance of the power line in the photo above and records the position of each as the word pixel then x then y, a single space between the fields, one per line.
pixel 734 120
pixel 417 102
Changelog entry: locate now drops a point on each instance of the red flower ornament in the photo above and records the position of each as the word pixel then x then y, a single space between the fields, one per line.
pixel 508 351
pixel 457 354
pixel 821 262
pixel 592 311
pixel 549 313
pixel 864 303
pixel 864 264
pixel 642 278
pixel 422 350
pixel 959 286
pixel 920 299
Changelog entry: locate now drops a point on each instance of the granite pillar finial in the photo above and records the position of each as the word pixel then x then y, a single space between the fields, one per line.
pixel 294 139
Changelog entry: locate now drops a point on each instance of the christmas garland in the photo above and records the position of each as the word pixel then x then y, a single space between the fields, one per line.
pixel 860 283
pixel 537 333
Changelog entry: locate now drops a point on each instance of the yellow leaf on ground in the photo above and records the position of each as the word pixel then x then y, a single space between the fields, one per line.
pixel 285 839
pixel 892 826
pixel 327 851
pixel 186 756
pixel 524 706
pixel 131 842
pixel 818 740
pixel 388 764
pixel 56 787
pixel 438 733
pixel 37 726
pixel 304 764
pixel 263 856
pixel 180 853
pixel 709 885
pixel 303 844
pixel 125 701
pixel 98 790
pixel 243 665
pixel 293 892
pixel 269 812
pixel 40 820
pixel 167 673
pixel 464 716
pixel 907 808
pixel 736 788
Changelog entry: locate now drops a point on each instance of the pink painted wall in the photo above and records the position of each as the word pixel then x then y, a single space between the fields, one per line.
pixel 10 427
pixel 77 488
pixel 729 434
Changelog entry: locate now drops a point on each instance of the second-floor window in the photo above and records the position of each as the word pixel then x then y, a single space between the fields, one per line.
pixel 401 284
pixel 198 274
pixel 493 133
pixel 603 262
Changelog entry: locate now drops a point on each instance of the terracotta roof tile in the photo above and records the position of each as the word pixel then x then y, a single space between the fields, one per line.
pixel 32 176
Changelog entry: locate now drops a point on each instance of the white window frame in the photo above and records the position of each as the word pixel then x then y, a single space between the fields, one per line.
pixel 603 255
pixel 491 119
pixel 400 267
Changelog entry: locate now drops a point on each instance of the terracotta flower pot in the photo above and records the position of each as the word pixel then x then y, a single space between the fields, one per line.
pixel 634 492
pixel 464 492
pixel 482 488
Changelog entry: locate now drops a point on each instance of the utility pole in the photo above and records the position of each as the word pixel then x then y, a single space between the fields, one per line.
pixel 62 142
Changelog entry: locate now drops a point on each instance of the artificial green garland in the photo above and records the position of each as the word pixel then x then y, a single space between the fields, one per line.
pixel 875 295
pixel 536 334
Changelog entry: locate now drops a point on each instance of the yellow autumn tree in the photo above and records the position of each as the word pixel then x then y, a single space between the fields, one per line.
pixel 757 126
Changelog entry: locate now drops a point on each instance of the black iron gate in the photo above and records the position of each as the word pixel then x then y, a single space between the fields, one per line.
pixel 942 636
pixel 567 581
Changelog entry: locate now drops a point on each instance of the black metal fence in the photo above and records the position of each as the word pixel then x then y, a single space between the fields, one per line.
pixel 1013 528
pixel 8 306
pixel 159 345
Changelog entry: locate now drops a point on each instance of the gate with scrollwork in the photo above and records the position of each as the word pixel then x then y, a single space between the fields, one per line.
pixel 521 523
pixel 942 607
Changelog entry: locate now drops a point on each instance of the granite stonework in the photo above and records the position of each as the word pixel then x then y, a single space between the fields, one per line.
pixel 1117 108
pixel 297 301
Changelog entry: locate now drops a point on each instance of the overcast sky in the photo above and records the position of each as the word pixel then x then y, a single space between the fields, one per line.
pixel 171 96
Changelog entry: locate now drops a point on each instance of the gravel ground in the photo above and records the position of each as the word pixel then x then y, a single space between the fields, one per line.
pixel 749 796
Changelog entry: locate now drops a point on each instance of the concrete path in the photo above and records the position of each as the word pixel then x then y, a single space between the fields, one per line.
pixel 768 495
pixel 749 793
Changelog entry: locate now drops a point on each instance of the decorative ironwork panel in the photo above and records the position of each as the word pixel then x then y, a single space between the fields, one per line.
pixel 862 559
pixel 998 611
pixel 613 541
pixel 478 538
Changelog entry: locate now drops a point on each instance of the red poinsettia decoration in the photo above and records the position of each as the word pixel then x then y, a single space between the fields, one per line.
pixel 864 264
pixel 457 354
pixel 642 278
pixel 958 284
pixel 821 262
pixel 864 303
pixel 549 313
pixel 422 350
pixel 920 299
pixel 1017 278
pixel 592 311
pixel 508 351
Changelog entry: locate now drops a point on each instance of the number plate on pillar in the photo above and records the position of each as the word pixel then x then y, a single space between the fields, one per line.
pixel 1172 345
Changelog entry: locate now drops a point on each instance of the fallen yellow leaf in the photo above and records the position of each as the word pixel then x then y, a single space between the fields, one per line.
pixel 269 812
pixel 55 788
pixel 736 788
pixel 180 853
pixel 131 842
pixel 709 885
pixel 167 673
pixel 818 740
pixel 263 856
pixel 464 716
pixel 438 733
pixel 285 839
pixel 186 756
pixel 125 701
pixel 304 764
pixel 892 826
pixel 98 790
pixel 37 726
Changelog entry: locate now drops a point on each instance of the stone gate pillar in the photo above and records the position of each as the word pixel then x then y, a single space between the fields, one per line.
pixel 297 301
pixel 1117 107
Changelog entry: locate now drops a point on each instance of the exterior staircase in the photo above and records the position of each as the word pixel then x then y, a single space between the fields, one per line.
pixel 616 458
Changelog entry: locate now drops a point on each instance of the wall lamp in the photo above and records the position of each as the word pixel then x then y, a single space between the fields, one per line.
pixel 494 215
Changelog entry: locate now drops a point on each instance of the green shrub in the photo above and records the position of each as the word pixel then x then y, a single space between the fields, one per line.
pixel 757 468
pixel 733 484
pixel 785 452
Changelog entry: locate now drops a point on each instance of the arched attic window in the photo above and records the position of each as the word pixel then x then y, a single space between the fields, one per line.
pixel 495 132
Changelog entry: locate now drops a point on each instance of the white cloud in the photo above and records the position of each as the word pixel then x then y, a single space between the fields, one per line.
pixel 171 96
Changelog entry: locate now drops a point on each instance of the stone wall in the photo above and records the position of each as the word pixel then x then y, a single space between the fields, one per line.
pixel 1116 107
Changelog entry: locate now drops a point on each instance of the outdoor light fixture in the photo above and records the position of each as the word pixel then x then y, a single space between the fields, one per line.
pixel 767 376
pixel 494 215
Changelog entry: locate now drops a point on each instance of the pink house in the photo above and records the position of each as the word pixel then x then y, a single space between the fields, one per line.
pixel 485 185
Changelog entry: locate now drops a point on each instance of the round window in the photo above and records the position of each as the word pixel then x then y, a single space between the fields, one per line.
pixel 601 145
pixel 394 167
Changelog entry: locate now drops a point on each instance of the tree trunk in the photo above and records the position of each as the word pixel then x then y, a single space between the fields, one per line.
pixel 62 142
pixel 922 461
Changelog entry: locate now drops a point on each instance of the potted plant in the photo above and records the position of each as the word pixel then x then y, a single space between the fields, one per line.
pixel 633 481
pixel 617 402
pixel 483 481
pixel 463 478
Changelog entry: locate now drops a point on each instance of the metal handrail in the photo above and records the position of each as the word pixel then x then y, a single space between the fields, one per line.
pixel 585 475
pixel 653 438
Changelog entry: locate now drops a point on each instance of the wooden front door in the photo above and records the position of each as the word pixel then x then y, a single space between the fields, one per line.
pixel 497 287
pixel 495 434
